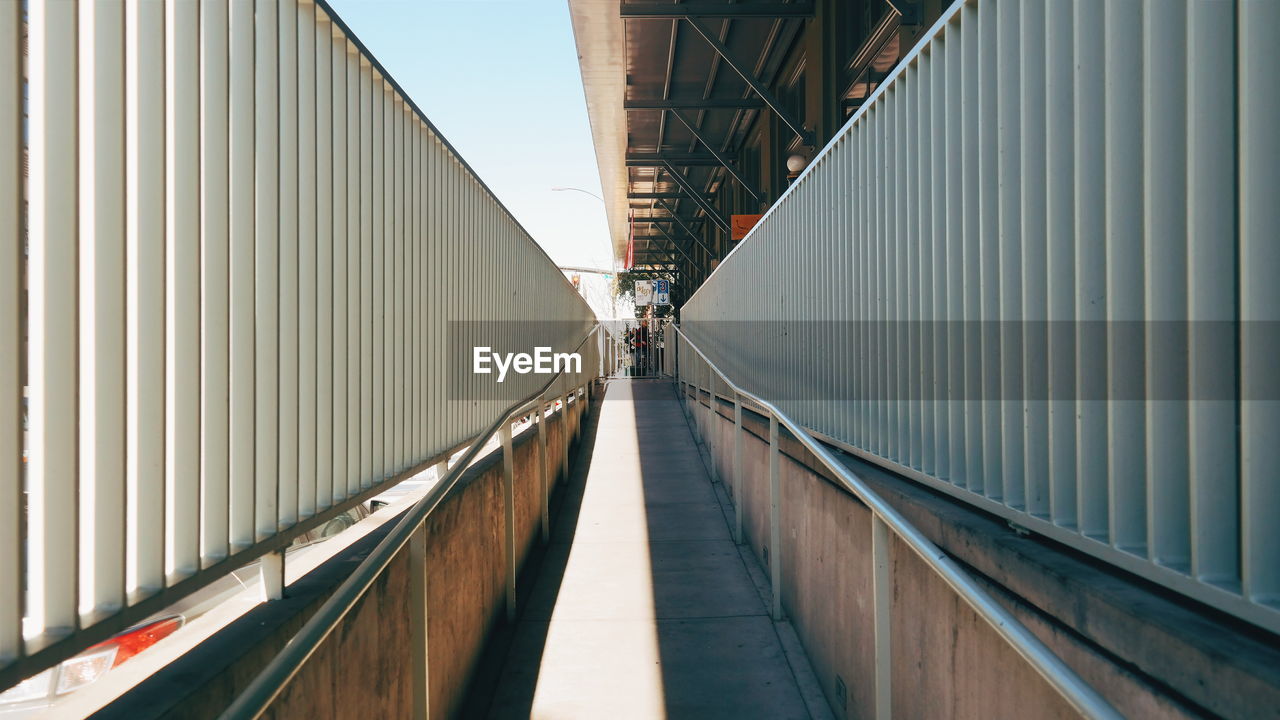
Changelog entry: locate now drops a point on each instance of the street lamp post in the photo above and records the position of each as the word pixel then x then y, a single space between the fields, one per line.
pixel 612 262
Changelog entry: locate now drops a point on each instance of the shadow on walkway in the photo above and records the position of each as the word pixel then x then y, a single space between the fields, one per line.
pixel 642 606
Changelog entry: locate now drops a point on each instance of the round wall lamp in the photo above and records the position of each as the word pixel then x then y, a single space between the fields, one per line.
pixel 795 164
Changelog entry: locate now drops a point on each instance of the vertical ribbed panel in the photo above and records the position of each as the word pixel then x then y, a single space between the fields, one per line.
pixel 245 247
pixel 1257 54
pixel 308 223
pixel 12 253
pixel 182 290
pixel 101 308
pixel 215 283
pixel 288 141
pixel 52 367
pixel 1037 241
pixel 327 148
pixel 241 214
pixel 266 268
pixel 145 297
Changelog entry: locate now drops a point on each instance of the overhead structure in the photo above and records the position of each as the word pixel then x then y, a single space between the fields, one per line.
pixel 697 107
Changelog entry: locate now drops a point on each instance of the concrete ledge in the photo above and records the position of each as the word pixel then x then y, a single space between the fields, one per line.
pixel 363 668
pixel 1151 652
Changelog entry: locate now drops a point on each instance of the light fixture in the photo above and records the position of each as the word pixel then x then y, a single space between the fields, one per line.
pixel 796 163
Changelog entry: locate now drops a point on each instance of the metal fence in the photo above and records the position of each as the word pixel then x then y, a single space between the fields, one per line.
pixel 242 250
pixel 1036 271
pixel 639 347
pixel 887 523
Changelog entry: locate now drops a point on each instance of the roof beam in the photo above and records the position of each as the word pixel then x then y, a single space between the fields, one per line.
pixel 665 234
pixel 668 11
pixel 729 165
pixel 694 104
pixel 668 218
pixel 687 184
pixel 658 196
pixel 681 221
pixel 749 76
pixel 692 262
pixel 657 159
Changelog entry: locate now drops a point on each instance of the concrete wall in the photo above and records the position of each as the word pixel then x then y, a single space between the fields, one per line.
pixel 363 668
pixel 1150 654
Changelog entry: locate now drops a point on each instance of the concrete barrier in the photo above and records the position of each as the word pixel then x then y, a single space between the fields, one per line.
pixel 1147 652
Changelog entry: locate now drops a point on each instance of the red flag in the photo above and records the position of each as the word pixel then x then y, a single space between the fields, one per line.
pixel 631 240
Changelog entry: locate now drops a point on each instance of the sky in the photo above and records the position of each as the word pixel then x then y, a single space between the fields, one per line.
pixel 500 80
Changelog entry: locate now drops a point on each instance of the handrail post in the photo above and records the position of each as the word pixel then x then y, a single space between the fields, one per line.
pixel 544 486
pixel 711 420
pixel 577 413
pixel 509 501
pixel 737 468
pixel 883 598
pixel 564 435
pixel 418 622
pixel 775 519
pixel 271 569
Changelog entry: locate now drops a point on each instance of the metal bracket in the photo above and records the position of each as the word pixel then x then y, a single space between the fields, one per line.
pixel 909 10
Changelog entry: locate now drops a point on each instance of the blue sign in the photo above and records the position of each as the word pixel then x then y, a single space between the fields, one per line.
pixel 661 292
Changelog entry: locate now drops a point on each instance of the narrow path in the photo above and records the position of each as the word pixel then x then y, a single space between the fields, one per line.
pixel 643 608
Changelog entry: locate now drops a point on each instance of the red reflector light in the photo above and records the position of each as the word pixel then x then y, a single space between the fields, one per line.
pixel 135 640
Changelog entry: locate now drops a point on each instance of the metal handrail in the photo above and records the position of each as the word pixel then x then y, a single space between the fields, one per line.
pixel 1069 685
pixel 271 680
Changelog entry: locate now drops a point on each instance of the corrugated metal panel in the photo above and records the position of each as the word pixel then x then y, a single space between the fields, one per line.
pixel 297 239
pixel 1018 275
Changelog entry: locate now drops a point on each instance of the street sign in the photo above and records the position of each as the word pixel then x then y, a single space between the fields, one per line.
pixel 740 225
pixel 661 292
pixel 644 292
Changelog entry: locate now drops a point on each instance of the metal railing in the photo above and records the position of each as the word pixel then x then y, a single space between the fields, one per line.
pixel 1036 271
pixel 695 369
pixel 411 530
pixel 249 259
pixel 639 347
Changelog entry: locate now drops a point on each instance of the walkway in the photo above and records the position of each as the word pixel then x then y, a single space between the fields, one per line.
pixel 644 607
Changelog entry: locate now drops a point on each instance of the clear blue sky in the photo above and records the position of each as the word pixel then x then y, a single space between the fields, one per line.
pixel 500 79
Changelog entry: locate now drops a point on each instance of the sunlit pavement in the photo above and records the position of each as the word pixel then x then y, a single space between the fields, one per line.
pixel 643 607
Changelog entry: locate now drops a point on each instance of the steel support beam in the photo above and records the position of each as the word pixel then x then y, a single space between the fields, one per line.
pixel 669 11
pixel 656 159
pixel 664 236
pixel 908 9
pixel 695 104
pixel 745 71
pixel 668 218
pixel 675 244
pixel 681 221
pixel 692 235
pixel 724 160
pixel 697 197
pixel 695 263
pixel 658 196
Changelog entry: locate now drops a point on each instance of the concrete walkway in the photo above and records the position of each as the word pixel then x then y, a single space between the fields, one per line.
pixel 643 607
